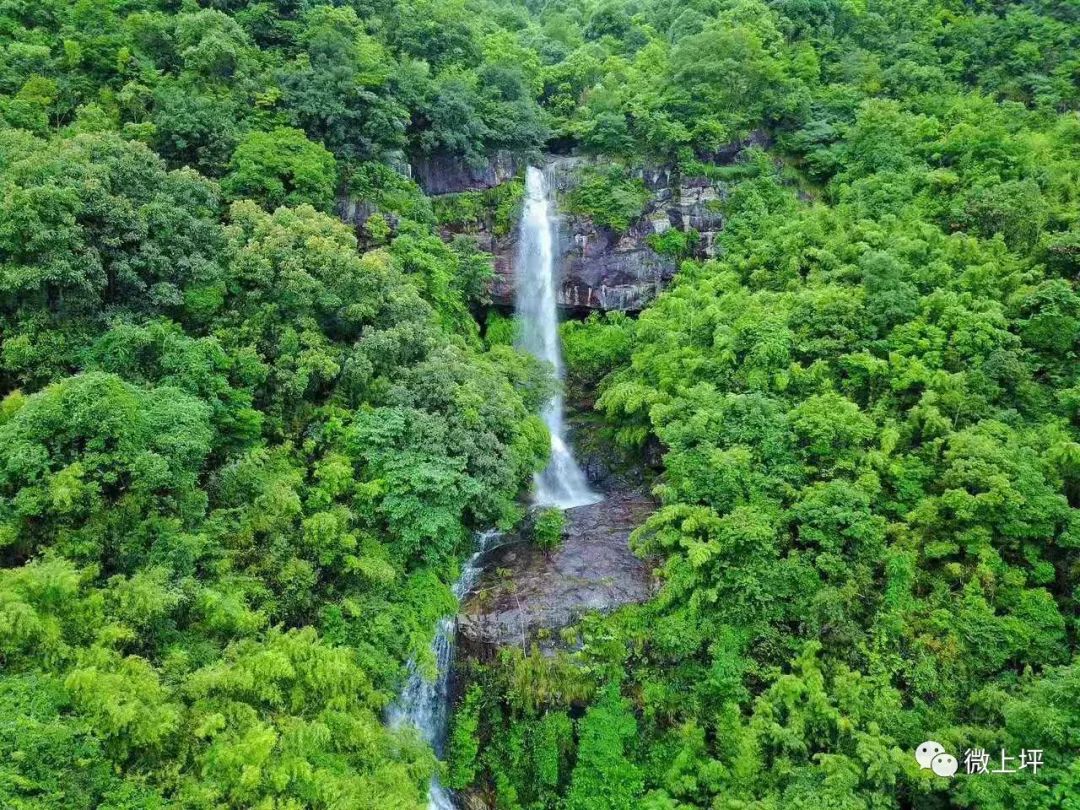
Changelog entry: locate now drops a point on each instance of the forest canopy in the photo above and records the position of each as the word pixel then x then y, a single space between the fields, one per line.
pixel 244 445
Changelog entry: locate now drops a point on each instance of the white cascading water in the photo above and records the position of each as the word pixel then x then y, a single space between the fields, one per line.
pixel 563 483
pixel 423 703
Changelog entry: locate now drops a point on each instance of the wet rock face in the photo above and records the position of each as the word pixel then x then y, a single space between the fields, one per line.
pixel 599 269
pixel 527 595
pixel 608 271
pixel 446 174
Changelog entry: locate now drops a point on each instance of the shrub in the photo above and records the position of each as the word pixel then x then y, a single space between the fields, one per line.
pixel 675 243
pixel 548 529
pixel 609 196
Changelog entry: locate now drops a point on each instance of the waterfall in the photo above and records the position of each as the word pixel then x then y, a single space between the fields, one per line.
pixel 562 484
pixel 424 703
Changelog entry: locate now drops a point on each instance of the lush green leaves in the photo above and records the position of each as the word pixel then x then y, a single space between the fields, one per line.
pixel 240 451
pixel 281 168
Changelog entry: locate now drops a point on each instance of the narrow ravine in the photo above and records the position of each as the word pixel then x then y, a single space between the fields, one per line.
pixel 425 703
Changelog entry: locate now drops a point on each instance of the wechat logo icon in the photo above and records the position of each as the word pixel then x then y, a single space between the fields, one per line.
pixel 931 755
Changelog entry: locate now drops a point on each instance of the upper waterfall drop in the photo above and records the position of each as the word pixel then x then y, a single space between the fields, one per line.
pixel 562 484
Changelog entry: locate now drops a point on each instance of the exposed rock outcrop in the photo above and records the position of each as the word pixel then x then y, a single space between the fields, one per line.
pixel 447 174
pixel 356 212
pixel 527 595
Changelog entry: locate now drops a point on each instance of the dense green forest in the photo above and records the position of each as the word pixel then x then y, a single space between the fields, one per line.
pixel 244 447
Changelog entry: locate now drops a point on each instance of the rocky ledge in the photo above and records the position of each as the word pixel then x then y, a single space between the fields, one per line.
pixel 603 269
pixel 446 174
pixel 527 595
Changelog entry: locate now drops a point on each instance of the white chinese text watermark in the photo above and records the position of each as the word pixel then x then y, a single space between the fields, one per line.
pixel 932 756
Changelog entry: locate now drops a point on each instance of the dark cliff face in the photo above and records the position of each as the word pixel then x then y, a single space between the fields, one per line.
pixel 599 269
pixel 607 271
pixel 444 174
pixel 602 269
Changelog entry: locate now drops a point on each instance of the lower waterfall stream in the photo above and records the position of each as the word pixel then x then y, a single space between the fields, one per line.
pixel 424 703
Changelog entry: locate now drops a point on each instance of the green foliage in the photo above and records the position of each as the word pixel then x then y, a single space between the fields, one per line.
pixel 675 243
pixel 594 346
pixel 338 87
pixel 548 528
pixel 464 741
pixel 603 777
pixel 92 225
pixel 609 196
pixel 241 452
pixel 377 228
pixel 465 209
pixel 450 277
pixel 515 727
pixel 390 194
pixel 90 452
pixel 281 168
pixel 866 533
pixel 497 208
pixel 500 330
pixel 52 759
